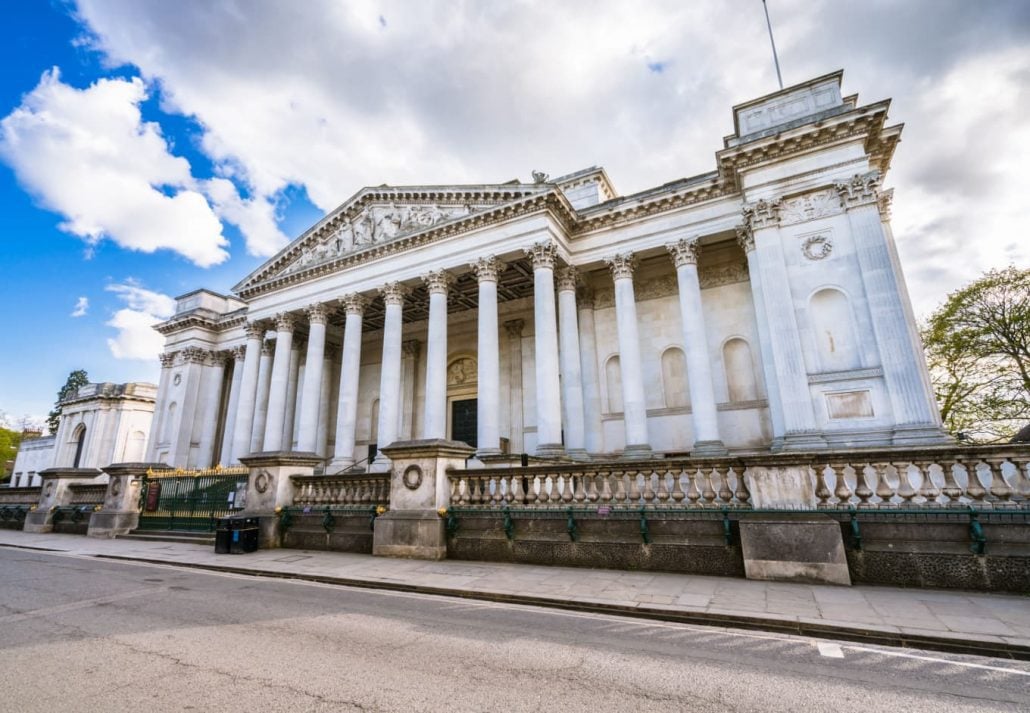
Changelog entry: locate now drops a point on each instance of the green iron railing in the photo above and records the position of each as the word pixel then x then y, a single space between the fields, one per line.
pixel 190 502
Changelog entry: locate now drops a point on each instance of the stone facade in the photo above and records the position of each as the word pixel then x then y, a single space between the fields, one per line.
pixel 100 424
pixel 757 307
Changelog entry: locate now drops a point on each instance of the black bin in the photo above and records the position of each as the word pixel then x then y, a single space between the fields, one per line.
pixel 243 535
pixel 223 535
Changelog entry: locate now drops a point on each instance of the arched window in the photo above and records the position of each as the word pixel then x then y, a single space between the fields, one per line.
pixel 740 370
pixel 613 382
pixel 80 441
pixel 834 329
pixel 674 378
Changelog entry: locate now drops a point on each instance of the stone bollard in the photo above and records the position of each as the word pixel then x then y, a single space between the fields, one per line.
pixel 120 512
pixel 54 494
pixel 418 489
pixel 269 487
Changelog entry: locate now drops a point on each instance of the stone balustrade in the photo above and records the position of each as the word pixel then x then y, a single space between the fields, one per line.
pixel 330 490
pixel 20 496
pixel 982 477
pixel 87 494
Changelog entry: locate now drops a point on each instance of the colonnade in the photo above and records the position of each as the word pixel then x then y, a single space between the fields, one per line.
pixel 273 396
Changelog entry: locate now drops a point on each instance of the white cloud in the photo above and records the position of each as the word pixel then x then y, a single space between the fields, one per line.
pixel 435 92
pixel 144 308
pixel 87 154
pixel 81 307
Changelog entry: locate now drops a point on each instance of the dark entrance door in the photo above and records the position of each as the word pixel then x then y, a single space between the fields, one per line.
pixel 463 421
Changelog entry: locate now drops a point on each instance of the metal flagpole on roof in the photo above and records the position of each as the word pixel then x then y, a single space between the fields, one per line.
pixel 776 59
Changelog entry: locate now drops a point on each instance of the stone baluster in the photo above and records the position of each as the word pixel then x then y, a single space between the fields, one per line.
pixel 1021 482
pixel 579 488
pixel 862 490
pixel 974 488
pixel 677 488
pixel 999 488
pixel 742 493
pixel 927 488
pixel 905 490
pixel 663 487
pixel 951 489
pixel 884 491
pixel 708 492
pixel 724 492
pixel 606 487
pixel 841 490
pixel 822 492
pixel 694 487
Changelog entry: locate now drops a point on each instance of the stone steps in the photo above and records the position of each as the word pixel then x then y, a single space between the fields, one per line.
pixel 191 538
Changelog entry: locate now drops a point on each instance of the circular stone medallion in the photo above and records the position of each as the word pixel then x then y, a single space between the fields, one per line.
pixel 412 477
pixel 262 481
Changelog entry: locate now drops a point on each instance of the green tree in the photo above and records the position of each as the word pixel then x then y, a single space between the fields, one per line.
pixel 978 350
pixel 9 441
pixel 75 380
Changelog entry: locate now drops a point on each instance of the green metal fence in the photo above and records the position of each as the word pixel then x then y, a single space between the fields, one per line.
pixel 191 500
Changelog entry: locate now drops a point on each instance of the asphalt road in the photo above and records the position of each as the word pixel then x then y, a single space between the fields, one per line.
pixel 82 634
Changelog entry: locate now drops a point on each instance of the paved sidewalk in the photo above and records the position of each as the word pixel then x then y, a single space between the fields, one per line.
pixel 971 622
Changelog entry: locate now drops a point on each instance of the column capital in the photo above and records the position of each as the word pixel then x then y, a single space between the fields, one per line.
pixel 861 189
pixel 884 203
pixel 543 254
pixel 621 265
pixel 488 269
pixel 167 359
pixel 255 330
pixel 684 251
pixel 194 355
pixel 354 303
pixel 568 277
pixel 745 237
pixel 218 358
pixel 514 327
pixel 238 353
pixel 318 313
pixel 438 281
pixel 268 347
pixel 762 213
pixel 394 293
pixel 411 347
pixel 285 322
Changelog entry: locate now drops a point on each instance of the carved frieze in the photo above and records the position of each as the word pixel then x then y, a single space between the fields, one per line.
pixel 810 206
pixel 667 285
pixel 373 225
pixel 462 371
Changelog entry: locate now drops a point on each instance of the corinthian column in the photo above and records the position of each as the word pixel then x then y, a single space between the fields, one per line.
pixel 800 429
pixel 545 327
pixel 488 412
pixel 634 403
pixel 232 406
pixel 571 369
pixel 434 424
pixel 347 406
pixel 772 389
pixel 248 391
pixel 588 372
pixel 257 433
pixel 157 428
pixel 280 383
pixel 915 412
pixel 212 400
pixel 390 372
pixel 312 389
pixel 699 369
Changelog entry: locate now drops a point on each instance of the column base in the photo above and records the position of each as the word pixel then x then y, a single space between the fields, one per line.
pixel 708 448
pixel 920 435
pixel 550 450
pixel 804 441
pixel 381 464
pixel 638 451
pixel 338 464
pixel 111 524
pixel 38 521
pixel 578 454
pixel 776 445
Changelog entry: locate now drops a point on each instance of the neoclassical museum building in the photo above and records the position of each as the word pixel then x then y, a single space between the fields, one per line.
pixel 759 306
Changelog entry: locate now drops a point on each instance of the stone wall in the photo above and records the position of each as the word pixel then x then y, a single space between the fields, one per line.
pixel 349 532
pixel 902 553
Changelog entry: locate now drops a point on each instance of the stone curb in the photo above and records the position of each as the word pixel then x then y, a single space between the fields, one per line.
pixel 954 644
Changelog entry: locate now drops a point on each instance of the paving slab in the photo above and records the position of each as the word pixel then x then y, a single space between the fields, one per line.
pixel 959 621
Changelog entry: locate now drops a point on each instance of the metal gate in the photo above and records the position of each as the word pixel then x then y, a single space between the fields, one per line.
pixel 191 499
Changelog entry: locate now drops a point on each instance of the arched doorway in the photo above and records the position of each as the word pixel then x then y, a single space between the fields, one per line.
pixel 80 441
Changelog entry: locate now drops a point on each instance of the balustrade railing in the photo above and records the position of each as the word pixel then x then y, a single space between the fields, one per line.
pixel 329 490
pixel 20 496
pixel 982 477
pixel 87 494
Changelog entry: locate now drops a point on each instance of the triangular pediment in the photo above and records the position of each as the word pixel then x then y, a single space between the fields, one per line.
pixel 377 216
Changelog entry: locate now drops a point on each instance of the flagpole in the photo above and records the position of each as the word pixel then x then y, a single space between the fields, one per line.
pixel 776 59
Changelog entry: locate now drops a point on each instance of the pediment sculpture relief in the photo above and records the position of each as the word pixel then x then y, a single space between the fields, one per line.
pixel 375 224
pixel 462 371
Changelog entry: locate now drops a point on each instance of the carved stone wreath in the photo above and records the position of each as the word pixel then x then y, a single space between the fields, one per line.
pixel 817 247
pixel 412 477
pixel 116 486
pixel 262 481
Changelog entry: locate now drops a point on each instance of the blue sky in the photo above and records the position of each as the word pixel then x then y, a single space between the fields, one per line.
pixel 148 148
